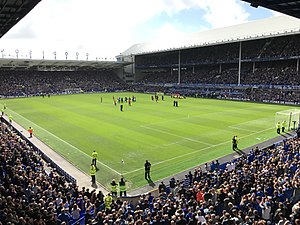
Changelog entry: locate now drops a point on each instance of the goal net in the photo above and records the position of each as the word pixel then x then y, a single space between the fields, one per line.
pixel 291 117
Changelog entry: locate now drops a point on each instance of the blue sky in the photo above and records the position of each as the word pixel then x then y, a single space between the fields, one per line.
pixel 106 28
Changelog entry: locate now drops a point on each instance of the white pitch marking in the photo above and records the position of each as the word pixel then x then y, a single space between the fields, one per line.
pixel 66 143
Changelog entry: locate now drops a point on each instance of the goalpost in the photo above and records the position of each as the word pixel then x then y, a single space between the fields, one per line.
pixel 290 116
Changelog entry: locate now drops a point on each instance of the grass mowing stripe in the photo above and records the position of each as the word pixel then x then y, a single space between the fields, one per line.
pixel 175 135
pixel 58 138
pixel 84 122
pixel 198 150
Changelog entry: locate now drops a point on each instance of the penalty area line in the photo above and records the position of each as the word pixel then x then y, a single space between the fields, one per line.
pixel 67 143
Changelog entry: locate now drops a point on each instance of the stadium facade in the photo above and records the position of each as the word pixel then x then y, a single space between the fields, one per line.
pixel 238 35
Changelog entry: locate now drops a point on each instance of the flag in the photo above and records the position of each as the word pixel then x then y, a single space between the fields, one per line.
pixel 123 161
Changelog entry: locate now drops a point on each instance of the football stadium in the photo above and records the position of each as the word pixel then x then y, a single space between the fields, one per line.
pixel 203 131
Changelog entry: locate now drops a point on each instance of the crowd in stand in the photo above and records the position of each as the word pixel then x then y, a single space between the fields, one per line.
pixel 272 95
pixel 33 193
pixel 276 82
pixel 160 77
pixel 261 76
pixel 268 73
pixel 260 49
pixel 28 83
pixel 265 62
pixel 259 188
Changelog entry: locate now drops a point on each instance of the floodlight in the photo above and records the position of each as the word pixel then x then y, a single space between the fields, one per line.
pixel 66 53
pixel 30 52
pixel 77 54
pixel 54 55
pixel 2 51
pixel 17 52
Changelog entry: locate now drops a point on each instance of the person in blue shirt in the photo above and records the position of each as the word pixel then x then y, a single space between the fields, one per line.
pixel 64 216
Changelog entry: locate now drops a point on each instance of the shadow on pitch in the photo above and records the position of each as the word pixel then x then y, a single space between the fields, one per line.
pixel 151 183
pixel 239 151
pixel 286 135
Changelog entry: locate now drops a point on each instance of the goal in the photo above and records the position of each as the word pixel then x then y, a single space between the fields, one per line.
pixel 291 117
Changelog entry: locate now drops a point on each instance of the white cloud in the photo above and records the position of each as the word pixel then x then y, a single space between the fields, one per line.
pixel 275 13
pixel 98 26
pixel 218 13
pixel 224 13
pixel 167 36
pixel 106 28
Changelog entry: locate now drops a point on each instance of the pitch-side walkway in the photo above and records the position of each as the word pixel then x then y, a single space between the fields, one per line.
pixel 83 179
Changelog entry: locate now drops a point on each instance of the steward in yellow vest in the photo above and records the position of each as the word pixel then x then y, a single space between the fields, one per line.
pixel 278 126
pixel 122 185
pixel 94 158
pixel 108 201
pixel 283 126
pixel 114 186
pixel 93 173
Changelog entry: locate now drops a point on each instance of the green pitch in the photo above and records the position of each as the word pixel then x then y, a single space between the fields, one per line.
pixel 174 139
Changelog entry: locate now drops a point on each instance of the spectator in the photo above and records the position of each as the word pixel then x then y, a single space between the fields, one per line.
pixel 162 187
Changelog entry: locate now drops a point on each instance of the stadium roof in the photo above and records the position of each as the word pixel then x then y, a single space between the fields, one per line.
pixel 288 7
pixel 12 11
pixel 59 65
pixel 275 26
